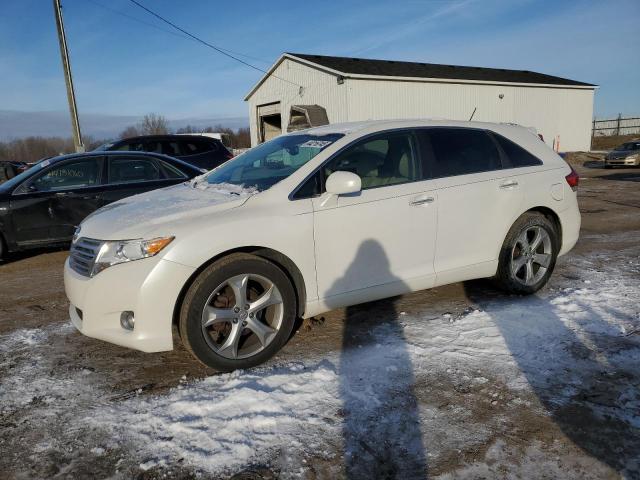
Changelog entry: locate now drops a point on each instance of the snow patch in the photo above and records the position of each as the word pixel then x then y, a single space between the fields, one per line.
pixel 230 420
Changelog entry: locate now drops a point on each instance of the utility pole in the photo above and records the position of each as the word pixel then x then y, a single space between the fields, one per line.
pixel 66 67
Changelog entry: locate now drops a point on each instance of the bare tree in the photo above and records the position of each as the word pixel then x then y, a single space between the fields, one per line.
pixel 30 149
pixel 242 138
pixel 189 129
pixel 130 131
pixel 153 124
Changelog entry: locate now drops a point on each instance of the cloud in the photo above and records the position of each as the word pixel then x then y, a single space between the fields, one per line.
pixel 397 31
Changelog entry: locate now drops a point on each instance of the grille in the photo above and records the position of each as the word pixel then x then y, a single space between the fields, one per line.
pixel 83 255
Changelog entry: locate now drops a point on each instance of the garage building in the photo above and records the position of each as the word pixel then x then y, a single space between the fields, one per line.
pixel 302 90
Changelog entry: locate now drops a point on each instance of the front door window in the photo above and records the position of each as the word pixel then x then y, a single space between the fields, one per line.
pixel 79 174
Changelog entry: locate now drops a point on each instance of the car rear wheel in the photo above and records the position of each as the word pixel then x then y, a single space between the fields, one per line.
pixel 528 255
pixel 238 313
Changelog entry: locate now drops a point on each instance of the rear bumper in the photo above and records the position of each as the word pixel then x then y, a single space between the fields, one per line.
pixel 149 288
pixel 570 221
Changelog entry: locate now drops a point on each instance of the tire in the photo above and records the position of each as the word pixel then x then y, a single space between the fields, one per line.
pixel 3 248
pixel 522 269
pixel 241 335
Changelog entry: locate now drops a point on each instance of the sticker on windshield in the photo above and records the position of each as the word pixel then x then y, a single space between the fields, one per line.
pixel 316 143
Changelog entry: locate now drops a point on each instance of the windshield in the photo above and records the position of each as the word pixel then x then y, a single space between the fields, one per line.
pixel 629 146
pixel 273 161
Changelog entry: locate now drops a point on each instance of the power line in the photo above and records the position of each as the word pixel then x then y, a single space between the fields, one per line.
pixel 207 44
pixel 170 32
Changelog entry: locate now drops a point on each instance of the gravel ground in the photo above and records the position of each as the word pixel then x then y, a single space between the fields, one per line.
pixel 456 382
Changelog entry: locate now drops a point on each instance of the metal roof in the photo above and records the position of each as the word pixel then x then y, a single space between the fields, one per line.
pixel 392 68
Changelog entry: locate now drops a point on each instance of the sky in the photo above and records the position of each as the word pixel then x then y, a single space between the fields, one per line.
pixel 126 62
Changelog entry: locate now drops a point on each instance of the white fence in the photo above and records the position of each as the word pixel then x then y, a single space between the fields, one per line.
pixel 616 126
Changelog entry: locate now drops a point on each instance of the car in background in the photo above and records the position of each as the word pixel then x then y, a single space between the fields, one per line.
pixel 627 154
pixel 9 169
pixel 198 150
pixel 43 205
pixel 225 138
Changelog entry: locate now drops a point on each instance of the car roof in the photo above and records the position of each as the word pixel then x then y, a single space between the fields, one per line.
pixel 175 136
pixel 116 153
pixel 373 125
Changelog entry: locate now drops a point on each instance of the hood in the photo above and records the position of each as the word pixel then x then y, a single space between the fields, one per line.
pixel 138 216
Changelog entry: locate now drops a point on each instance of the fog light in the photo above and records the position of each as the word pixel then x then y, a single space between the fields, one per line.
pixel 126 320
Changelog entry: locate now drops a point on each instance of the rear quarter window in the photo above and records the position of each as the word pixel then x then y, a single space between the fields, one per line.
pixel 516 156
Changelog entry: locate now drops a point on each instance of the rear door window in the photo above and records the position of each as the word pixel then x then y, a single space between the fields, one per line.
pixel 170 171
pixel 460 151
pixel 516 156
pixel 194 147
pixel 132 169
pixel 169 147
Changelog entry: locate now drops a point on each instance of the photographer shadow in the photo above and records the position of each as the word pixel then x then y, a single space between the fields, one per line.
pixel 381 429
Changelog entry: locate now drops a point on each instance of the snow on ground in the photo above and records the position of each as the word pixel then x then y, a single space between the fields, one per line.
pixel 549 343
pixel 403 396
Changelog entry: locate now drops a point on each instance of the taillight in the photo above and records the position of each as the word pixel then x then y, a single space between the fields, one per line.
pixel 573 179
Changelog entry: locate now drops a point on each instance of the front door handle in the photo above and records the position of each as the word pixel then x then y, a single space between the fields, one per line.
pixel 509 184
pixel 421 201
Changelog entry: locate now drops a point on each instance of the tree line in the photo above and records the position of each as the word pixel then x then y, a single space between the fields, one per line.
pixel 34 148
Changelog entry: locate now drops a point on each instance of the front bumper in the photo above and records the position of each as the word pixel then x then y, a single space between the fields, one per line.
pixel 148 287
pixel 630 162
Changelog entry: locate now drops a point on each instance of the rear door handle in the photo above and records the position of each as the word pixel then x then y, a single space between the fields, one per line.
pixel 509 184
pixel 421 201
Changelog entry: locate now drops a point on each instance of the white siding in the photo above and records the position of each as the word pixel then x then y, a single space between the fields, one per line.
pixel 563 113
pixel 319 88
pixel 554 112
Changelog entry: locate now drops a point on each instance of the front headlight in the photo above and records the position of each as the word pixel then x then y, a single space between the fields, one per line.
pixel 121 251
pixel 632 157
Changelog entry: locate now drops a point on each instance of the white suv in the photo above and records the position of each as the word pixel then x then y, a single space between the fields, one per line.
pixel 315 220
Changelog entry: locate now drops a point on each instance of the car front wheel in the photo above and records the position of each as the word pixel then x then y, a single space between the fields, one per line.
pixel 238 313
pixel 528 255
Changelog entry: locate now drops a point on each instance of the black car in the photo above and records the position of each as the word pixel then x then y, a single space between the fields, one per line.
pixel 43 205
pixel 198 150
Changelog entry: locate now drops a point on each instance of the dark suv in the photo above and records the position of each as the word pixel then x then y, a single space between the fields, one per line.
pixel 198 150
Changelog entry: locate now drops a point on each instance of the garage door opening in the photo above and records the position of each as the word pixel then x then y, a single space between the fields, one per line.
pixel 269 121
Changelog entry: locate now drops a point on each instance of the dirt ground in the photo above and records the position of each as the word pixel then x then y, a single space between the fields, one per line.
pixel 519 433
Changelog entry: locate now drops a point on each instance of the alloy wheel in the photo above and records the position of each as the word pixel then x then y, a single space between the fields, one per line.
pixel 242 316
pixel 531 255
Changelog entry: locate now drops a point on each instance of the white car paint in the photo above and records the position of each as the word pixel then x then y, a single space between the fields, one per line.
pixel 347 249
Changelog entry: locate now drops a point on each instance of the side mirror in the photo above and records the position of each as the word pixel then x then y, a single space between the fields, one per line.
pixel 342 183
